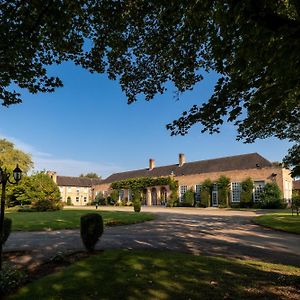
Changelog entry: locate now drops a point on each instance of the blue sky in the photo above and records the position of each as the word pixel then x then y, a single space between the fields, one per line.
pixel 87 126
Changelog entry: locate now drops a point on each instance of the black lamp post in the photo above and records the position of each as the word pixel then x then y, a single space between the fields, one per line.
pixel 4 179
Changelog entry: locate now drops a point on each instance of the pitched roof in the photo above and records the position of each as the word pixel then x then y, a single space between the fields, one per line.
pixel 296 185
pixel 237 162
pixel 77 181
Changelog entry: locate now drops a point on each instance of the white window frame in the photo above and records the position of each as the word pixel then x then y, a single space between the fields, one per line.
pixel 198 192
pixel 236 190
pixel 259 186
pixel 182 190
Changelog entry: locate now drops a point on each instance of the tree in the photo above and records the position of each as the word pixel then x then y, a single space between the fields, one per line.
pixel 206 191
pixel 292 160
pixel 10 157
pixel 90 175
pixel 223 190
pixel 35 188
pixel 247 187
pixel 253 46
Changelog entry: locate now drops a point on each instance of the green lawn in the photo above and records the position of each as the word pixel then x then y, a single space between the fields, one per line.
pixel 122 274
pixel 280 221
pixel 69 219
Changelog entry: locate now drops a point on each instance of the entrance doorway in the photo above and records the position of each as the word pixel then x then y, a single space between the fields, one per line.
pixel 153 196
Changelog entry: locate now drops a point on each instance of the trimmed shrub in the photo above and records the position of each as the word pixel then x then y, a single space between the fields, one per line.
pixel 11 278
pixel 205 194
pixel 91 229
pixel 136 200
pixel 188 198
pixel 6 230
pixel 247 193
pixel 137 205
pixel 47 205
pixel 114 197
pixel 271 197
pixel 223 191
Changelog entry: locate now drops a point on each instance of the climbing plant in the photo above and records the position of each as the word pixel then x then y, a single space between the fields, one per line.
pixel 140 183
pixel 223 190
pixel 247 193
pixel 206 189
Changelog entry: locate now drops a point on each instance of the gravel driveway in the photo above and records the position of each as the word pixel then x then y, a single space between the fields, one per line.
pixel 199 231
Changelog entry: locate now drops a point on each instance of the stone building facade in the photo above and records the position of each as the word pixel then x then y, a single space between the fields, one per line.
pixel 79 190
pixel 192 175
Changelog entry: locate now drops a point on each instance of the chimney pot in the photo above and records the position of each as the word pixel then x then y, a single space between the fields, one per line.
pixel 181 159
pixel 151 164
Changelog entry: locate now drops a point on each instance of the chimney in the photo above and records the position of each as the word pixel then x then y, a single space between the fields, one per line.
pixel 52 175
pixel 181 159
pixel 151 164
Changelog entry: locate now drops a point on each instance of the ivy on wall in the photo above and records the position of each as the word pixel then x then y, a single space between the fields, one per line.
pixel 144 182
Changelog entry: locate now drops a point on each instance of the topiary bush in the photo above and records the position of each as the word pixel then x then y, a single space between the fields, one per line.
pixel 188 198
pixel 271 197
pixel 205 194
pixel 137 205
pixel 91 229
pixel 6 230
pixel 11 278
pixel 223 191
pixel 136 200
pixel 247 193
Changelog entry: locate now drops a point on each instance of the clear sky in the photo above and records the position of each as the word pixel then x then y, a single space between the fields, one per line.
pixel 87 126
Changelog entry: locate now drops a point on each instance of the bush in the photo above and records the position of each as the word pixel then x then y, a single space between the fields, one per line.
pixel 114 197
pixel 223 191
pixel 247 193
pixel 10 279
pixel 91 229
pixel 6 230
pixel 26 209
pixel 137 205
pixel 136 196
pixel 205 194
pixel 47 205
pixel 188 198
pixel 296 203
pixel 271 197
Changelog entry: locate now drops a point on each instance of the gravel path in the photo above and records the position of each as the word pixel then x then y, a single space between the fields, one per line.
pixel 198 231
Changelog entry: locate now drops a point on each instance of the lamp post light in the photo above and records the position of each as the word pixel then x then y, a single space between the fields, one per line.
pixel 4 179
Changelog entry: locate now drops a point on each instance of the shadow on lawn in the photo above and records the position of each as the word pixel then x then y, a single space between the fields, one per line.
pixel 162 275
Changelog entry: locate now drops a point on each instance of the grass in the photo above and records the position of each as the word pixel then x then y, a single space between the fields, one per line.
pixel 70 219
pixel 123 274
pixel 280 221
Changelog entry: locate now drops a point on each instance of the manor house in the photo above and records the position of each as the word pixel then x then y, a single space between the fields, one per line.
pixel 192 175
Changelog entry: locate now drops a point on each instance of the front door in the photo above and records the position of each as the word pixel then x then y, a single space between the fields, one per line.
pixel 154 196
pixel 214 198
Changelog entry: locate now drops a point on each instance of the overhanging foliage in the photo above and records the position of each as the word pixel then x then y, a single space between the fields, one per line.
pixel 144 182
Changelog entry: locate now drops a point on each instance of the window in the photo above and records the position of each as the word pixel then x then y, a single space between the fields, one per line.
pixel 77 199
pixel 84 199
pixel 78 189
pixel 236 189
pixel 198 192
pixel 182 190
pixel 121 194
pixel 69 189
pixel 258 189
